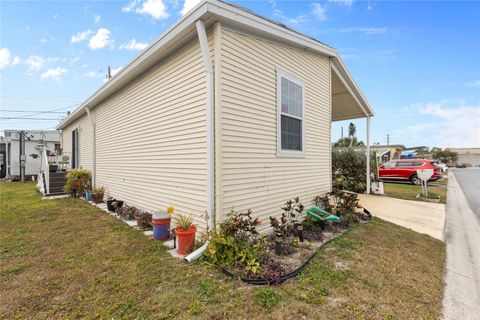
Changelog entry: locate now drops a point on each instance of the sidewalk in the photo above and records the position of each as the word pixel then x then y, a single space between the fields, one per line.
pixel 422 217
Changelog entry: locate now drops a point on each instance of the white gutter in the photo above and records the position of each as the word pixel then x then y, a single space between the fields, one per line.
pixel 94 165
pixel 202 37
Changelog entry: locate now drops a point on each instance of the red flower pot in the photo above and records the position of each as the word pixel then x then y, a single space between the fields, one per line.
pixel 185 239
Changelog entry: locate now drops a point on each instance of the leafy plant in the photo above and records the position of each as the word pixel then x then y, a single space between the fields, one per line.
pixel 324 203
pixel 272 269
pixel 127 212
pixel 78 180
pixel 227 251
pixel 349 169
pixel 266 297
pixel 99 190
pixel 144 219
pixel 280 227
pixel 184 222
pixel 294 210
pixel 241 225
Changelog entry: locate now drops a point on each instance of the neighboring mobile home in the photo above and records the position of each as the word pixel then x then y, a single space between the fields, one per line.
pixel 226 110
pixel 10 151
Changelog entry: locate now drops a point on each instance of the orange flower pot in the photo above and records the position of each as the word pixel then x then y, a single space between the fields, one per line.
pixel 185 240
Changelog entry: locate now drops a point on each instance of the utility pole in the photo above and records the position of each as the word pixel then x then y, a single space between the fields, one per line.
pixel 388 139
pixel 22 156
pixel 109 73
pixel 342 133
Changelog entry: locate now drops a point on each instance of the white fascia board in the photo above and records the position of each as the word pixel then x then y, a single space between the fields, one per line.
pixel 126 74
pixel 342 72
pixel 253 21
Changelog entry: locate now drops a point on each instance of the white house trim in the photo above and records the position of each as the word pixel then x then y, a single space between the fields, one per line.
pixel 281 152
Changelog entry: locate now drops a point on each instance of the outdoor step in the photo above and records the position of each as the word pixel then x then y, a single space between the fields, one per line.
pixel 56 189
pixel 57 174
pixel 58 178
pixel 57 184
pixel 56 194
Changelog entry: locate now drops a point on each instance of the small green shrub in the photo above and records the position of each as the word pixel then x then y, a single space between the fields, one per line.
pixel 228 251
pixel 266 297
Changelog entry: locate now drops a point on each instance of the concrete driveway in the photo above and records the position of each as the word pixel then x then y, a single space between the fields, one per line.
pixel 422 217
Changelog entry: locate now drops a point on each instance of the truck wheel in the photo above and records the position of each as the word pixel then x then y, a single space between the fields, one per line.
pixel 415 180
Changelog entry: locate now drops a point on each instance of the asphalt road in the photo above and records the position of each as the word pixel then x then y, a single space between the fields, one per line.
pixel 462 236
pixel 469 180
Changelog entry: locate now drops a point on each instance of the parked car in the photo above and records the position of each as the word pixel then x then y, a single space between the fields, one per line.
pixel 406 170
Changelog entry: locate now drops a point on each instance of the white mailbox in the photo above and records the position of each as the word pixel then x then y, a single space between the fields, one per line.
pixel 425 174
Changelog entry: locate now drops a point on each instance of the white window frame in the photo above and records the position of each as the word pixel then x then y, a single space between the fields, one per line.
pixel 286 152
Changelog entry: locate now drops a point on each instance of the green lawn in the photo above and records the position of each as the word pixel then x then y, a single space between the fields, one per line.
pixel 66 259
pixel 410 191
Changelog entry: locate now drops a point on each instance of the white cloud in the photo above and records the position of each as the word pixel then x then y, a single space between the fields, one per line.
pixel 319 11
pixel 347 3
pixel 154 8
pixel 188 5
pixel 475 84
pixel 55 16
pixel 289 21
pixel 80 36
pixel 101 39
pixel 16 60
pixel 369 31
pixel 35 63
pixel 96 18
pixel 452 124
pixel 84 65
pixel 133 45
pixel 44 40
pixel 92 74
pixel 54 73
pixel 4 57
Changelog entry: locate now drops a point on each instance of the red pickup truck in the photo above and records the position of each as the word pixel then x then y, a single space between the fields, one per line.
pixel 406 170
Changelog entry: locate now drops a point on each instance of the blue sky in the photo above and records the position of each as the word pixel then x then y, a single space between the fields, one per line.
pixel 417 63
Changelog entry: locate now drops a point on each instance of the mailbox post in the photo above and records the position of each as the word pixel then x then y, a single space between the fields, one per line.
pixel 425 175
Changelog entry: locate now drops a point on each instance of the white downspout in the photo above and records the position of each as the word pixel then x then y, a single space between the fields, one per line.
pixel 368 155
pixel 202 37
pixel 94 166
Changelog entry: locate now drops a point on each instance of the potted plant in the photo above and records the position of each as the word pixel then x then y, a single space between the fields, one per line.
pixel 78 180
pixel 113 204
pixel 88 195
pixel 52 167
pixel 144 219
pixel 185 234
pixel 98 194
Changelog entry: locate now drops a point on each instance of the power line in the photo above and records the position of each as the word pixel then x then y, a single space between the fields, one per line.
pixel 28 111
pixel 37 113
pixel 21 118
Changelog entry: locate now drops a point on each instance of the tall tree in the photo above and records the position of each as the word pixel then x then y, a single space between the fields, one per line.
pixel 445 156
pixel 351 132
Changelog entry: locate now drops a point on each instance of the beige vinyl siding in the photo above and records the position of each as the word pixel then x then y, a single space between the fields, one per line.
pixel 252 176
pixel 85 141
pixel 151 137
